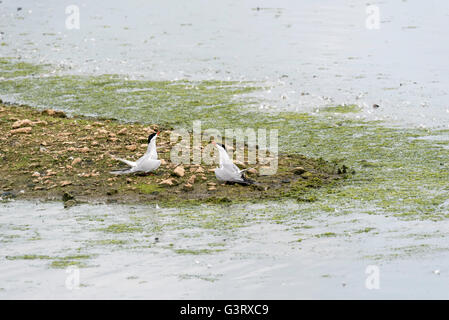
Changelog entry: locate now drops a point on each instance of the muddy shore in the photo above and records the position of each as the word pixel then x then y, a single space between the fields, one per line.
pixel 48 156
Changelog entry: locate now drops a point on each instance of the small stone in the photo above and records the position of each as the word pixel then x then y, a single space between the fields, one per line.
pixel 252 171
pixel 40 122
pixel 211 184
pixel 69 203
pixel 179 171
pixel 50 173
pixel 36 174
pixel 212 188
pixel 21 130
pixel 191 179
pixel 168 182
pixel 67 196
pixel 7 195
pixel 66 183
pixel 241 164
pixel 131 147
pixel 187 187
pixel 54 113
pixel 76 161
pixel 199 170
pixel 299 170
pixel 122 131
pixel 22 123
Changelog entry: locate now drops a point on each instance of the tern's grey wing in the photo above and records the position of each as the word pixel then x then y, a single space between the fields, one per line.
pixel 149 165
pixel 142 159
pixel 230 167
pixel 228 173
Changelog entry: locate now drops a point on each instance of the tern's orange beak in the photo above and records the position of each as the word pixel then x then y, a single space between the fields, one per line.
pixel 157 133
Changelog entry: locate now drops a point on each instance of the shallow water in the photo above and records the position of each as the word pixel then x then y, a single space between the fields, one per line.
pixel 256 258
pixel 299 57
pixel 308 55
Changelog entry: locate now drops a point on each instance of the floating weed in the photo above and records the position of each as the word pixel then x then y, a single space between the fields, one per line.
pixel 352 108
pixel 122 228
pixel 58 262
pixel 396 171
pixel 29 257
pixel 197 251
pixel 209 277
pixel 326 235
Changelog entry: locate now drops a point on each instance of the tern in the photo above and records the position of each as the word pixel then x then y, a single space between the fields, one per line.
pixel 147 163
pixel 228 171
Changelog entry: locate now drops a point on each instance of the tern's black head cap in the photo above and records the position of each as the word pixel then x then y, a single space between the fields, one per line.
pixel 222 145
pixel 151 136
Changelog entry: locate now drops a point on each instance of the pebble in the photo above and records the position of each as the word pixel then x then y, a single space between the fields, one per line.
pixel 22 123
pixel 187 187
pixel 191 179
pixel 122 131
pixel 199 170
pixel 179 171
pixel 76 161
pixel 168 182
pixel 21 130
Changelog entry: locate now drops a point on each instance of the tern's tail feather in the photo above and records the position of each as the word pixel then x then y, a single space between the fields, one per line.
pixel 129 163
pixel 246 181
pixel 124 171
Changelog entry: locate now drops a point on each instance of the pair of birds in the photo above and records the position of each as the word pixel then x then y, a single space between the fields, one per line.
pixel 226 172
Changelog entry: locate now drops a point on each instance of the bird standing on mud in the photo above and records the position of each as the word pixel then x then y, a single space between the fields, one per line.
pixel 228 171
pixel 147 163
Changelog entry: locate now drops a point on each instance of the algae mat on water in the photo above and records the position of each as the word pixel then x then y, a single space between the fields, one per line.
pixel 398 171
pixel 175 103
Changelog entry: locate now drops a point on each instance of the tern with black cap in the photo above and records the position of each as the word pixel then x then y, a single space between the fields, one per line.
pixel 228 171
pixel 147 163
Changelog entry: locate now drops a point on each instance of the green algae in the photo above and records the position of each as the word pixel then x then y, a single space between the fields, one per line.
pixel 352 108
pixel 57 262
pixel 395 171
pixel 208 278
pixel 10 68
pixel 29 257
pixel 107 242
pixel 326 235
pixel 149 188
pixel 122 228
pixel 197 251
pixel 114 96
